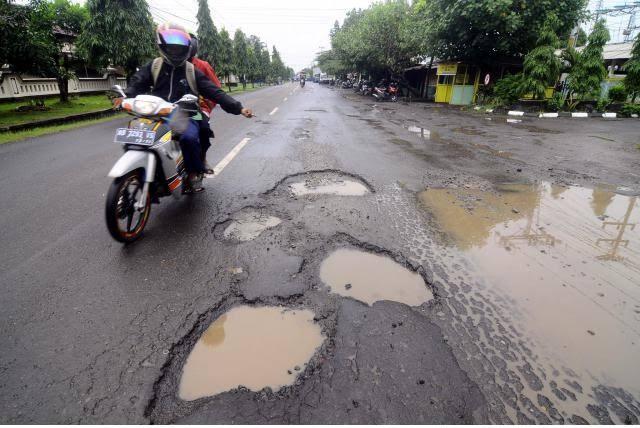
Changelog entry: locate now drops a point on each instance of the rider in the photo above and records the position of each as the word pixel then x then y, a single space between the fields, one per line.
pixel 206 106
pixel 174 44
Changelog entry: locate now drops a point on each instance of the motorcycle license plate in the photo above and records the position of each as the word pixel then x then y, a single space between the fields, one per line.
pixel 140 137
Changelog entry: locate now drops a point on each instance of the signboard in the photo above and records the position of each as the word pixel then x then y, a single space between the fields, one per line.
pixel 447 69
pixel 487 79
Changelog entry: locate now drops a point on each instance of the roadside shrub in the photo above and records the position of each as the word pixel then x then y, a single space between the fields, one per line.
pixel 618 94
pixel 556 103
pixel 602 104
pixel 508 89
pixel 629 109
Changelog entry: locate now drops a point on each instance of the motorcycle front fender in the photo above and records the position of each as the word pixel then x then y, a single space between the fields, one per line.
pixel 132 160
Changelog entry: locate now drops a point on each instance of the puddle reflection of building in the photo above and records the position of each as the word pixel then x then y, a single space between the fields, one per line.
pixel 622 227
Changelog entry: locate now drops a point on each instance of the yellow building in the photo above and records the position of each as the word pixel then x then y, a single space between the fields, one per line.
pixel 457 83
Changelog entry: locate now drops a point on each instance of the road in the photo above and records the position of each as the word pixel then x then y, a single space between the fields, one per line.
pixel 97 332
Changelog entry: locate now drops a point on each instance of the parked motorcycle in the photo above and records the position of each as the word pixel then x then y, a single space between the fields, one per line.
pixel 386 92
pixel 151 166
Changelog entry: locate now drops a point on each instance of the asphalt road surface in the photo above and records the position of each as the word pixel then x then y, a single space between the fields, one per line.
pixel 97 332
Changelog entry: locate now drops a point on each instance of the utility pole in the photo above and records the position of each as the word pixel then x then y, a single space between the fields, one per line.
pixel 616 242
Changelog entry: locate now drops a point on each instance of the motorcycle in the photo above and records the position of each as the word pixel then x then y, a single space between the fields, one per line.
pixel 151 166
pixel 386 92
pixel 302 82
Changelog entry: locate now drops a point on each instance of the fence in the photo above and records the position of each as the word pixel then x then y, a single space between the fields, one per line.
pixel 13 86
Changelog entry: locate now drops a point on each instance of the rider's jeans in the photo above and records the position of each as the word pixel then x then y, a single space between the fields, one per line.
pixel 190 146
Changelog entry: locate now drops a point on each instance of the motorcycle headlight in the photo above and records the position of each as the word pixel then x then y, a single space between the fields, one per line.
pixel 144 107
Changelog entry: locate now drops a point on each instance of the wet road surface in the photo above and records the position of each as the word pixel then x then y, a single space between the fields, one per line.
pixel 509 253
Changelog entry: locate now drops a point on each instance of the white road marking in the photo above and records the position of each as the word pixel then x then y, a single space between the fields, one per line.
pixel 273 111
pixel 229 157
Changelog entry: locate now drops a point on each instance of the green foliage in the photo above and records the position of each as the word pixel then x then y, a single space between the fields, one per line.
pixel 541 65
pixel 618 94
pixel 240 58
pixel 602 104
pixel 589 71
pixel 119 32
pixel 208 43
pixel 36 36
pixel 330 63
pixel 480 31
pixel 225 64
pixel 374 40
pixel 556 103
pixel 629 109
pixel 508 90
pixel 581 39
pixel 278 69
pixel 632 68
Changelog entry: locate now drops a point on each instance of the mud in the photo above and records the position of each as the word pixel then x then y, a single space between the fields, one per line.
pixel 248 224
pixel 370 278
pixel 253 347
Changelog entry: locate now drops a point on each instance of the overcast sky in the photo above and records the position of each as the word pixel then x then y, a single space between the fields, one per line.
pixel 298 28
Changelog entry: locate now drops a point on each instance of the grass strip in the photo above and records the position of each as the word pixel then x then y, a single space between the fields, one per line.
pixel 10 137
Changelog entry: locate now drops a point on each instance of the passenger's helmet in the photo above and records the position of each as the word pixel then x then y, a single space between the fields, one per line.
pixel 174 43
pixel 194 46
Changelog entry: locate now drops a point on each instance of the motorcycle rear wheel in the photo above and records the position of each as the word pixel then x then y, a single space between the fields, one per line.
pixel 120 207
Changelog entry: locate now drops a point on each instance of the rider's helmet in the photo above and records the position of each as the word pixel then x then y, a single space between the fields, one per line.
pixel 194 46
pixel 174 43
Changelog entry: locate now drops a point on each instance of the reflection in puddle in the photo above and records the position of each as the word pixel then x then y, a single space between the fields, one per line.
pixel 329 187
pixel 424 133
pixel 369 278
pixel 251 347
pixel 249 225
pixel 568 257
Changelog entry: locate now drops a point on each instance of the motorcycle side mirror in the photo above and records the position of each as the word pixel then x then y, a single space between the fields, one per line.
pixel 118 90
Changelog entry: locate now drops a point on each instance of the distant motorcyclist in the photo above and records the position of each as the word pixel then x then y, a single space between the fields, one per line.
pixel 171 77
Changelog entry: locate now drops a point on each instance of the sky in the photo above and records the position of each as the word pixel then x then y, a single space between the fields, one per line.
pixel 298 28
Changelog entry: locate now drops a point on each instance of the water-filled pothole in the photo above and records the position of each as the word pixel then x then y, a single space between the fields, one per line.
pixel 567 257
pixel 329 187
pixel 253 347
pixel 370 277
pixel 248 225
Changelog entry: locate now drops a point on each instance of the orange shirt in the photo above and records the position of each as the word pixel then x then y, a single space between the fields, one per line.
pixel 207 106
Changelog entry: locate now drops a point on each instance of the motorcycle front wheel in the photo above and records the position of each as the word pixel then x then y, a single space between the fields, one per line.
pixel 124 221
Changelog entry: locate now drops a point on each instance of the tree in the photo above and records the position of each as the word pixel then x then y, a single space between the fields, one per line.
pixel 208 43
pixel 632 68
pixel 481 31
pixel 330 63
pixel 541 65
pixel 225 66
pixel 278 69
pixel 240 57
pixel 119 32
pixel 260 67
pixel 374 40
pixel 587 74
pixel 38 39
pixel 581 38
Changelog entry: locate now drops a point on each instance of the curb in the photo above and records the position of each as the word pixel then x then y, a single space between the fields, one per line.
pixel 58 120
pixel 555 115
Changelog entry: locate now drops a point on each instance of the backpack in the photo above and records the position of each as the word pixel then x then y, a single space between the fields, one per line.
pixel 190 71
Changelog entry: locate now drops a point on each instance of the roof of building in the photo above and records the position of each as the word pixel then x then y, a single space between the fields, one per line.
pixel 613 51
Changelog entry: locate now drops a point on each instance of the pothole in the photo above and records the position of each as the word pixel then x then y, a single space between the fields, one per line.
pixel 370 278
pixel 301 134
pixel 329 187
pixel 248 225
pixel 253 347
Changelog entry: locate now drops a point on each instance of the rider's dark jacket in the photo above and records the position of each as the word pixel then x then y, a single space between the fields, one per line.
pixel 172 85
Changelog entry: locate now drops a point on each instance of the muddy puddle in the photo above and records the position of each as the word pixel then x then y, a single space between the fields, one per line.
pixel 248 225
pixel 370 278
pixel 568 258
pixel 337 187
pixel 254 347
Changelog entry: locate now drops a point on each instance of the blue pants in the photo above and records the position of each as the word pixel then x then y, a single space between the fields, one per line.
pixel 191 149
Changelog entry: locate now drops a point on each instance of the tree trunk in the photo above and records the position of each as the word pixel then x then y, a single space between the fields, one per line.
pixel 63 84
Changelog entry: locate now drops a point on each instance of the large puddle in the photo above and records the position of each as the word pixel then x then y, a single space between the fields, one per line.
pixel 254 347
pixel 248 225
pixel 336 187
pixel 569 260
pixel 369 278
